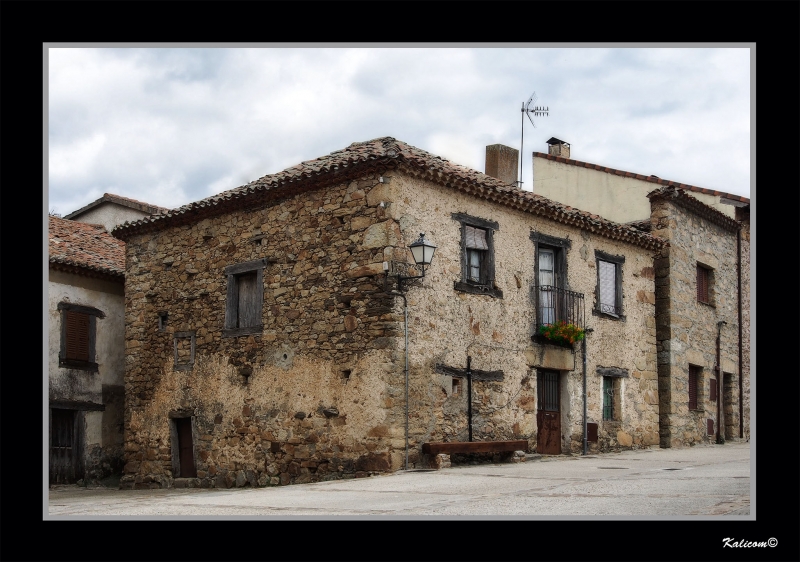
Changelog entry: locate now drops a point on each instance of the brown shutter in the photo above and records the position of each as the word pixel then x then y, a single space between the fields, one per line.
pixel 712 390
pixel 702 284
pixel 77 332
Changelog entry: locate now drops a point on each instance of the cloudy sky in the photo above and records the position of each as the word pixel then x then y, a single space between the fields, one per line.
pixel 169 126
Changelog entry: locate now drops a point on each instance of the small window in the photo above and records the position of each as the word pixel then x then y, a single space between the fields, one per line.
pixel 162 321
pixel 456 386
pixel 184 344
pixel 695 375
pixel 612 389
pixel 712 390
pixel 477 256
pixel 704 284
pixel 243 309
pixel 78 334
pixel 608 294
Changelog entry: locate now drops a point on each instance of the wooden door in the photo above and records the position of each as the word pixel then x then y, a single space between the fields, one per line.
pixel 548 414
pixel 185 448
pixel 65 460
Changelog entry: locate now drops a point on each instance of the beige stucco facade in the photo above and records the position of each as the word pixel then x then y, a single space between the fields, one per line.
pixel 447 325
pixel 620 197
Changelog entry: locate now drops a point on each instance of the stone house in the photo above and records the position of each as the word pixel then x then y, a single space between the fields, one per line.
pixel 86 326
pixel 111 210
pixel 702 280
pixel 265 341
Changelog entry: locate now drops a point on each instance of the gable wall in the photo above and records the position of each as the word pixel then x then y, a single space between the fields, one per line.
pixel 322 315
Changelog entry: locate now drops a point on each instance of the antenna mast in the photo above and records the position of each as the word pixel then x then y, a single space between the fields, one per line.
pixel 528 110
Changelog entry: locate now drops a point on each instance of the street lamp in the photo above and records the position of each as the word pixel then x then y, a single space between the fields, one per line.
pixel 423 251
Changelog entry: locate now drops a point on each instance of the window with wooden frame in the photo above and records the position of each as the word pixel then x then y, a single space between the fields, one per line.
pixel 550 263
pixel 608 293
pixel 78 336
pixel 695 376
pixel 245 300
pixel 712 389
pixel 477 256
pixel 705 279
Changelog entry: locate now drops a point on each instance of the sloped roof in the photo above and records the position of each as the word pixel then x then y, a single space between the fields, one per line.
pixel 380 155
pixel 85 249
pixel 685 200
pixel 119 200
pixel 652 179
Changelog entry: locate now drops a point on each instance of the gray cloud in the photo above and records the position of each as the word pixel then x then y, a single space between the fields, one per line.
pixel 170 126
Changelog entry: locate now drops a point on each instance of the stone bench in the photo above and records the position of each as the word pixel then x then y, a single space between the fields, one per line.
pixel 440 452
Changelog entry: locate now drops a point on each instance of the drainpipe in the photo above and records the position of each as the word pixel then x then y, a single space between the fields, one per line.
pixel 739 311
pixel 720 439
pixel 585 428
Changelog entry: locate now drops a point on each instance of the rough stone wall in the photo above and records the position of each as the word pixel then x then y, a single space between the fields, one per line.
pixel 316 395
pixel 447 325
pixel 103 434
pixel 744 218
pixel 687 329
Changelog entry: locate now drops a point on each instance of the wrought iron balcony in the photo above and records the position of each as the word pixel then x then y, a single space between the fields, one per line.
pixel 554 304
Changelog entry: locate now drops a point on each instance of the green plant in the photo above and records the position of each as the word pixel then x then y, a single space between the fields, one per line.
pixel 562 332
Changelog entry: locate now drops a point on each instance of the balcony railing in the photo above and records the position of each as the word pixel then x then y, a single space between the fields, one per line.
pixel 554 304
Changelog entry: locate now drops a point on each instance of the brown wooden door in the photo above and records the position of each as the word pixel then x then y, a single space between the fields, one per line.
pixel 65 461
pixel 185 447
pixel 548 415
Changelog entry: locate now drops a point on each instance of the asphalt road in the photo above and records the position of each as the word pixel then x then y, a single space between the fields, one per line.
pixel 705 482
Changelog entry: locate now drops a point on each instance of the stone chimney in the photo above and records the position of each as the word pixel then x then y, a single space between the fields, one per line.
pixel 502 162
pixel 557 147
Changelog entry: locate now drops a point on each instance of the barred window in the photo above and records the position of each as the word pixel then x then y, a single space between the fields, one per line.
pixel 608 295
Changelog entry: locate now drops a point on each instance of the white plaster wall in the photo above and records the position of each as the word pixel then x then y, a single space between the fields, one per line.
pixel 614 197
pixel 73 384
pixel 110 215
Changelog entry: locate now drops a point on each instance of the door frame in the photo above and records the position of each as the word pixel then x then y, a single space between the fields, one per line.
pixel 175 423
pixel 542 412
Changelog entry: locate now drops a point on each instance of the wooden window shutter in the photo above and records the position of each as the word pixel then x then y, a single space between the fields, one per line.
pixel 712 390
pixel 702 284
pixel 250 297
pixel 77 335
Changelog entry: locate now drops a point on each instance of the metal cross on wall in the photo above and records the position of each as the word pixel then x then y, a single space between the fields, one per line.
pixel 470 374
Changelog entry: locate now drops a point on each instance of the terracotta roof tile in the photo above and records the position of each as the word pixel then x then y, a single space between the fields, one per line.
pixel 85 246
pixel 387 153
pixel 651 179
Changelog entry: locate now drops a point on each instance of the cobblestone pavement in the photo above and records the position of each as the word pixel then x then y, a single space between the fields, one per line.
pixel 705 481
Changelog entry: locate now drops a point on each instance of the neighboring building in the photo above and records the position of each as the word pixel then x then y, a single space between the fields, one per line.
pixel 111 210
pixel 86 353
pixel 264 345
pixel 702 278
pixel 617 195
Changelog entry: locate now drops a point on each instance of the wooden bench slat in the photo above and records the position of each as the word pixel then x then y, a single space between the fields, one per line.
pixel 474 447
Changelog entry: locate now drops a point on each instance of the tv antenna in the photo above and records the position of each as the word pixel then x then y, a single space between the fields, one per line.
pixel 537 111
